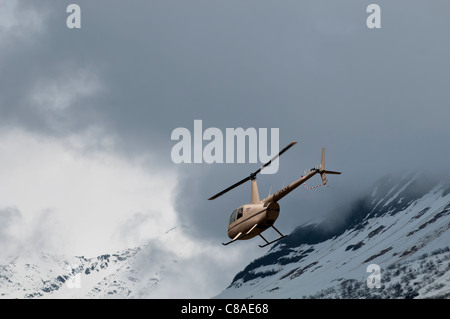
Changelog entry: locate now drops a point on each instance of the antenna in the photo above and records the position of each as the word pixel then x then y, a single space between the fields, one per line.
pixel 270 191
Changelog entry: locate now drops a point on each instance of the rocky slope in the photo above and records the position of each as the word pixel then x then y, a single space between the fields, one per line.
pixel 403 226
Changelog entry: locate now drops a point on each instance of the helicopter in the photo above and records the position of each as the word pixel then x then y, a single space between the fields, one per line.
pixel 250 220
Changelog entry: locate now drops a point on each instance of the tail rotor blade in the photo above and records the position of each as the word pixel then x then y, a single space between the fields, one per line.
pixel 322 170
pixel 322 161
pixel 333 172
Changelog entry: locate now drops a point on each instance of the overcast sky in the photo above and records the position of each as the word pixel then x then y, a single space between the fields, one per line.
pixel 86 115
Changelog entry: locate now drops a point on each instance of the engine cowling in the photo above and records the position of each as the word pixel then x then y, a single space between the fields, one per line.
pixel 272 213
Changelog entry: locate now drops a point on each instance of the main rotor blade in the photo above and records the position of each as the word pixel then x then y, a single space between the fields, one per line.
pixel 275 157
pixel 253 174
pixel 230 188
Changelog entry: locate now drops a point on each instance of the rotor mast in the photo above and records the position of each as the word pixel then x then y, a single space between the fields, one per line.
pixel 255 193
pixel 252 177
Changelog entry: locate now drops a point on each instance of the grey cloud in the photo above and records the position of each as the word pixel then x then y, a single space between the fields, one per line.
pixel 130 229
pixel 376 99
pixel 19 236
pixel 201 274
pixel 8 217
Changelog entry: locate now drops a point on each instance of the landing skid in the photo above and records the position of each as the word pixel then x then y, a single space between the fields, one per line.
pixel 240 235
pixel 234 239
pixel 273 241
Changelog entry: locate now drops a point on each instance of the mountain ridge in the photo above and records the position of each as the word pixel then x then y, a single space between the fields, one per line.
pixel 402 218
pixel 402 225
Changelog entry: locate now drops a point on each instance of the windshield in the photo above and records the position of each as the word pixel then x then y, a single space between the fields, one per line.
pixel 239 213
pixel 232 217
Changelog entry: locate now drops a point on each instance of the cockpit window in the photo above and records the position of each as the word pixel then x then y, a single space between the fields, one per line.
pixel 232 217
pixel 239 213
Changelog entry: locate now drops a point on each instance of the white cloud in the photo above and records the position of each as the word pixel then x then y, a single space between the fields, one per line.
pixel 19 22
pixel 84 198
pixel 58 93
pixel 58 199
pixel 190 268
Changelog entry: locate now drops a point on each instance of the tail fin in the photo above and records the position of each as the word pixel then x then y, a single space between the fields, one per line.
pixel 322 170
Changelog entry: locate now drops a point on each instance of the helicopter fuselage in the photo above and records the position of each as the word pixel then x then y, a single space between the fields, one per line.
pixel 250 220
pixel 244 218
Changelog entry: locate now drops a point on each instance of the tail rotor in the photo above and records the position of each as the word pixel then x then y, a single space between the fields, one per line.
pixel 322 171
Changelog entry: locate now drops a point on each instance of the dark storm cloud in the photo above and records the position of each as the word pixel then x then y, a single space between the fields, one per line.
pixel 376 99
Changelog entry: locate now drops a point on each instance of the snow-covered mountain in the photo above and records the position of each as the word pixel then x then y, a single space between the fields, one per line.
pixel 130 273
pixel 402 226
pixel 49 276
pixel 43 275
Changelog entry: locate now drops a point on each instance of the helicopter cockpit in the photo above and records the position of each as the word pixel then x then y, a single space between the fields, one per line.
pixel 236 214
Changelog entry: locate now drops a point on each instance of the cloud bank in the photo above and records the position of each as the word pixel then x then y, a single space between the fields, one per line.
pixel 86 115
